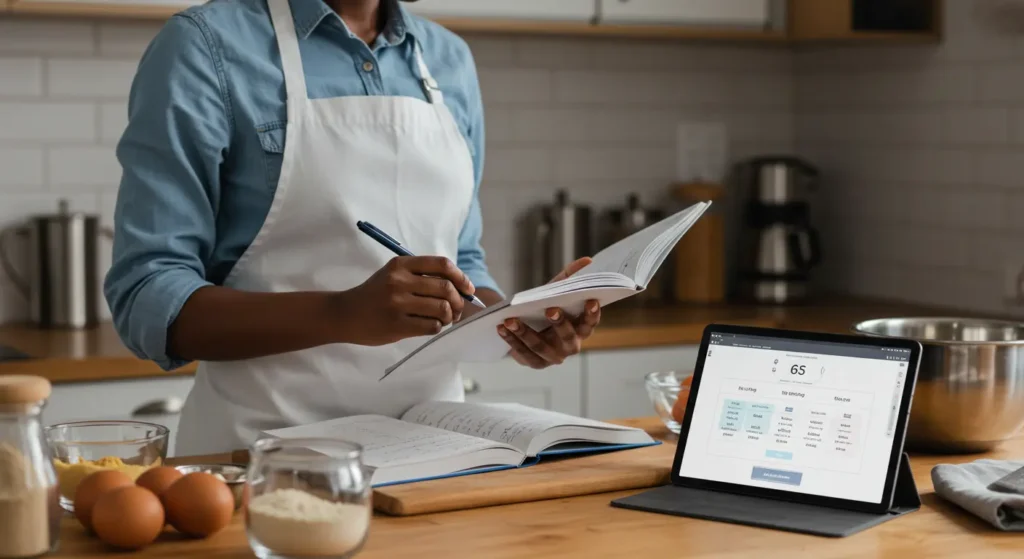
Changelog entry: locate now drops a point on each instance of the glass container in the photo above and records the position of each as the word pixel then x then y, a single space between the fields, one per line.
pixel 307 498
pixel 29 510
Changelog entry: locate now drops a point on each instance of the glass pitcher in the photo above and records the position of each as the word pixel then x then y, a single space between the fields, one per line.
pixel 30 511
pixel 307 498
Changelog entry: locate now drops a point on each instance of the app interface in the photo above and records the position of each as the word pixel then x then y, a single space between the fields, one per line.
pixel 793 415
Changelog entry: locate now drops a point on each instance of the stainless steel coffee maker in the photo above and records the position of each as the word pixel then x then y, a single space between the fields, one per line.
pixel 62 278
pixel 779 247
pixel 552 236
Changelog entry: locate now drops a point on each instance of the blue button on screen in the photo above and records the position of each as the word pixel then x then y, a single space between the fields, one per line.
pixel 779 454
pixel 776 476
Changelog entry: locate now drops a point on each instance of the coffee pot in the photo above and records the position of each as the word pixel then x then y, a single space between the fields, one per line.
pixel 62 279
pixel 553 236
pixel 779 245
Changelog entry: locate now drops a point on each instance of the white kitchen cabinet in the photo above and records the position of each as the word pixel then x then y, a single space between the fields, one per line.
pixel 556 388
pixel 539 10
pixel 614 379
pixel 719 13
pixel 119 400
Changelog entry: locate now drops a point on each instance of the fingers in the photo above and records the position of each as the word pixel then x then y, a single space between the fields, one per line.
pixel 564 332
pixel 533 341
pixel 572 268
pixel 427 307
pixel 440 291
pixel 522 354
pixel 441 267
pixel 589 319
pixel 420 326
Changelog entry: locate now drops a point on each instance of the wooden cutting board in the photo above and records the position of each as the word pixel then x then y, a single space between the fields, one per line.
pixel 553 478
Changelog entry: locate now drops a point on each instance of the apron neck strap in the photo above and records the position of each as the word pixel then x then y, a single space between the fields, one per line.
pixel 430 87
pixel 288 44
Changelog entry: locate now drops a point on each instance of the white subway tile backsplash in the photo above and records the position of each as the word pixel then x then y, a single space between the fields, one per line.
pixel 33 122
pixel 113 121
pixel 1000 83
pixel 94 167
pixel 508 164
pixel 625 88
pixel 515 86
pixel 564 53
pixel 42 37
pixel 21 76
pixel 624 163
pixel 1001 168
pixel 126 39
pixel 90 78
pixel 978 126
pixel 20 168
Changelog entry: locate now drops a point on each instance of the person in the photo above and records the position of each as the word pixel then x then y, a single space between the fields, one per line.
pixel 259 133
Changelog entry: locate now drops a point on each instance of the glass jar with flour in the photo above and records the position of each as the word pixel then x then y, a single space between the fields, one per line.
pixel 307 498
pixel 29 498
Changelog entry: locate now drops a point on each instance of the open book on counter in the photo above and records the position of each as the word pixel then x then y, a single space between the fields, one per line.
pixel 446 439
pixel 619 271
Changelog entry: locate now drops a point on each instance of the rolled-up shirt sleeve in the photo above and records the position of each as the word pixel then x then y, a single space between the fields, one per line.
pixel 178 131
pixel 472 258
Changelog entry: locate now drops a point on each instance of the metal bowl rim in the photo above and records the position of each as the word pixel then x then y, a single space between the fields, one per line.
pixel 856 328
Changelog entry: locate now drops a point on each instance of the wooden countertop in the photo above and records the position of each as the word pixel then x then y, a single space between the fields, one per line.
pixel 588 527
pixel 98 354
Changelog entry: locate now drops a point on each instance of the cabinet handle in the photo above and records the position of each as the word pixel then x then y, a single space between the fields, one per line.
pixel 470 386
pixel 169 406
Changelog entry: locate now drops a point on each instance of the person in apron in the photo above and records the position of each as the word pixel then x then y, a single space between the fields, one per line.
pixel 313 310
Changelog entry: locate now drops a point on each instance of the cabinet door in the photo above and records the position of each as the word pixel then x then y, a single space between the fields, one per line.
pixel 556 388
pixel 152 400
pixel 614 380
pixel 687 12
pixel 563 10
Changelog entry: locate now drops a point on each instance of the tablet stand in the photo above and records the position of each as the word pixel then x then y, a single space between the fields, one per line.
pixel 771 513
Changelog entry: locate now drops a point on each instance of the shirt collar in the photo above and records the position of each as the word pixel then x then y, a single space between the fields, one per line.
pixel 309 14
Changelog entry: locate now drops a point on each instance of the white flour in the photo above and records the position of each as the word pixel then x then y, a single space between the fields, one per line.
pixel 295 523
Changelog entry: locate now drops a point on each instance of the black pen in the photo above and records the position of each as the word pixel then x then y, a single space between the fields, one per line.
pixel 396 247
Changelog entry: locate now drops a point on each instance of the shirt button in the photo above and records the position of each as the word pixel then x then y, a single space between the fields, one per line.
pixel 367 66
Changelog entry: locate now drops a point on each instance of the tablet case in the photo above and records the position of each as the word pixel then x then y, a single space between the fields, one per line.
pixel 771 513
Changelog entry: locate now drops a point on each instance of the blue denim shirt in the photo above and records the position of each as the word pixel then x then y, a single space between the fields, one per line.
pixel 203 147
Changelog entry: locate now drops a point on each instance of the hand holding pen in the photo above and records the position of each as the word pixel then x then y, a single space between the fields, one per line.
pixel 410 296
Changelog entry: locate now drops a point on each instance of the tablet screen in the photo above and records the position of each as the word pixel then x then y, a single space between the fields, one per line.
pixel 796 415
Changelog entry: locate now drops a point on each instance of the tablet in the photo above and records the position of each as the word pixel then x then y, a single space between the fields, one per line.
pixel 812 418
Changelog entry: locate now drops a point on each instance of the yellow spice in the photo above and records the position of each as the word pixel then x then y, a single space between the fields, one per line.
pixel 69 475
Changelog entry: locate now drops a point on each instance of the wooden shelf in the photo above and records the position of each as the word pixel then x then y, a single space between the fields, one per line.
pixel 816 23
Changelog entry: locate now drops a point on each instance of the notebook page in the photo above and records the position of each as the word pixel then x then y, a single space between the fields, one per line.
pixel 389 442
pixel 624 256
pixel 656 253
pixel 512 424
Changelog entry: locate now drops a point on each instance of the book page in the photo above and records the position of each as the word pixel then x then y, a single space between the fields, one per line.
pixel 390 442
pixel 512 424
pixel 625 256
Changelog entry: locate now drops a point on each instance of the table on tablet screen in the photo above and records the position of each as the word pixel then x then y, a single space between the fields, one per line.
pixel 802 416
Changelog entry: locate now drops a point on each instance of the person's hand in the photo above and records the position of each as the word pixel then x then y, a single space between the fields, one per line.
pixel 410 296
pixel 564 338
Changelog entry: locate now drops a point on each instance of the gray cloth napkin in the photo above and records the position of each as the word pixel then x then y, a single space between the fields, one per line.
pixel 967 485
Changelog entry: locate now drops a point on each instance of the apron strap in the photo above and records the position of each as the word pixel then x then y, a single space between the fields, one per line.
pixel 288 44
pixel 430 87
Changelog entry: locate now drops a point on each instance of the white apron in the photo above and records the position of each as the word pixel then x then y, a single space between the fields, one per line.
pixel 398 162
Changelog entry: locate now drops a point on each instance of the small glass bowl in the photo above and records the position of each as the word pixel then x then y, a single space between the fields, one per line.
pixel 308 498
pixel 664 389
pixel 81 448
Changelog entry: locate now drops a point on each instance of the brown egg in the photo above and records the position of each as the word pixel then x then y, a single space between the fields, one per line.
pixel 128 517
pixel 90 489
pixel 199 504
pixel 158 479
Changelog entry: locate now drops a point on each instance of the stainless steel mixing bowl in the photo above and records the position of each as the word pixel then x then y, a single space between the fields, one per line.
pixel 970 387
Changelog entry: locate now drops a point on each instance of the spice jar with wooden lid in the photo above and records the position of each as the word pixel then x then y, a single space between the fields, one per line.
pixel 700 255
pixel 29 500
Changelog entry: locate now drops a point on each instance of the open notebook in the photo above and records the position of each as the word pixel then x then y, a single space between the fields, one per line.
pixel 447 439
pixel 619 271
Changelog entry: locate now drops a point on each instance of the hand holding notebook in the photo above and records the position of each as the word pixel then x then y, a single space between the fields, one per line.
pixel 617 272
